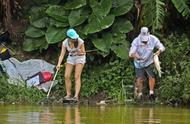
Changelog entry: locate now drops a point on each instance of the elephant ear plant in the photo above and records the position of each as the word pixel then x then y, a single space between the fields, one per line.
pixel 103 22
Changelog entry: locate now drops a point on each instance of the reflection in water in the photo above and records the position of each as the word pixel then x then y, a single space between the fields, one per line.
pixel 93 115
pixel 146 115
pixel 46 117
pixel 69 113
pixel 33 117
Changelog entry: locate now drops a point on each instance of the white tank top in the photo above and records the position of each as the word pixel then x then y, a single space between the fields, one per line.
pixel 71 50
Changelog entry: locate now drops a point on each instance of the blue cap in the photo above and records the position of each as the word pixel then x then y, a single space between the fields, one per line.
pixel 71 33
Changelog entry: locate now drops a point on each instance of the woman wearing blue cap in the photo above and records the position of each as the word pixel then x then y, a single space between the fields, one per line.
pixel 76 57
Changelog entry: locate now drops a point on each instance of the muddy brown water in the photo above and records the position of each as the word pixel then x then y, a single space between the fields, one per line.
pixel 75 114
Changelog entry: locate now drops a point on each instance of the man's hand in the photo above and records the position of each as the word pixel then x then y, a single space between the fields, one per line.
pixel 136 56
pixel 157 53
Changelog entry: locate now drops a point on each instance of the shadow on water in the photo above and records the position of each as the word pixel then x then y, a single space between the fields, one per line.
pixel 76 114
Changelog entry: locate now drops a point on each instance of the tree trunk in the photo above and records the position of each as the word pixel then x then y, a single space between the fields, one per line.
pixel 6 14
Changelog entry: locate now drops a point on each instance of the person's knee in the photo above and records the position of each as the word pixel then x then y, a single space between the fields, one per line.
pixel 140 80
pixel 77 77
pixel 67 76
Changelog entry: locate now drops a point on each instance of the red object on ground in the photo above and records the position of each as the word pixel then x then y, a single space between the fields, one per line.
pixel 47 76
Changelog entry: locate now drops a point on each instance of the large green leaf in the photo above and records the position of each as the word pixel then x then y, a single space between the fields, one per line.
pixel 74 4
pixel 58 24
pixel 119 38
pixel 122 26
pixel 40 22
pixel 34 32
pixel 121 51
pixel 117 3
pixel 54 35
pixel 104 43
pixel 31 44
pixel 58 13
pixel 101 7
pixel 182 7
pixel 78 16
pixel 38 17
pixel 97 23
pixel 121 7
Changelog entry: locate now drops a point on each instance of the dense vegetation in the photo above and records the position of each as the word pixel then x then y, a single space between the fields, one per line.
pixel 109 27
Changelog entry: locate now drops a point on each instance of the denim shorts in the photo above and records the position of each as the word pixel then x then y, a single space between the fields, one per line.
pixel 76 59
pixel 145 71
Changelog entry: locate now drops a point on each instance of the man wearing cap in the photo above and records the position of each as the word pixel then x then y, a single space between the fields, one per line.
pixel 76 57
pixel 142 51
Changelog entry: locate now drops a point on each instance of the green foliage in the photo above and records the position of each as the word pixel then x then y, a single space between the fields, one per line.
pixel 103 43
pixel 74 4
pixel 174 86
pixel 160 14
pixel 153 13
pixel 17 94
pixel 31 44
pixel 58 13
pixel 121 7
pixel 110 78
pixel 182 7
pixel 101 8
pixel 78 16
pixel 34 32
pixel 38 17
pixel 91 19
pixel 54 35
pixel 96 23
pixel 118 50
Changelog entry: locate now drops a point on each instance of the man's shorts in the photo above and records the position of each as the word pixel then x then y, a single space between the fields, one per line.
pixel 146 71
pixel 76 59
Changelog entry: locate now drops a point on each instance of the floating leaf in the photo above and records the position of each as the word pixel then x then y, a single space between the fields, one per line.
pixel 54 35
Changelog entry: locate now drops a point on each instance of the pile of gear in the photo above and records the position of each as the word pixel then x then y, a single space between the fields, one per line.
pixel 31 73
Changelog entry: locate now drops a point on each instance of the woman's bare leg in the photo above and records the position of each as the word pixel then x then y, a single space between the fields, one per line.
pixel 78 71
pixel 68 70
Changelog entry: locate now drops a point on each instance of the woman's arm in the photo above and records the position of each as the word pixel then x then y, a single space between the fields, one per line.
pixel 82 50
pixel 63 50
